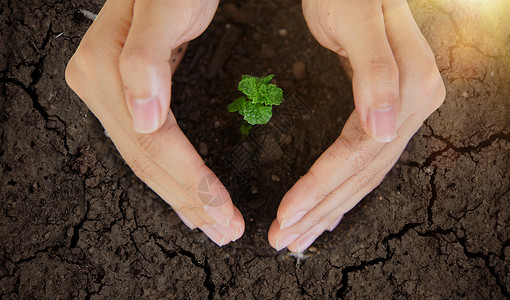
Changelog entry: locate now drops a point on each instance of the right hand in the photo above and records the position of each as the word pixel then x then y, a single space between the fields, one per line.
pixel 122 71
pixel 396 86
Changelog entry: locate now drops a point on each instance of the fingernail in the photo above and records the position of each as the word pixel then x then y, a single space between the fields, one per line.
pixel 185 220
pixel 289 221
pixel 305 242
pixel 146 114
pixel 238 234
pixel 285 241
pixel 228 232
pixel 217 215
pixel 381 123
pixel 334 225
pixel 214 235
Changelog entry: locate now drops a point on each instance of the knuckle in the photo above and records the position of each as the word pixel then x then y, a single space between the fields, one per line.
pixel 441 94
pixel 135 57
pixel 383 69
pixel 357 157
pixel 86 57
pixel 71 74
pixel 366 178
pixel 146 143
pixel 141 166
pixel 321 187
pixel 342 144
pixel 189 185
pixel 150 145
pixel 360 159
pixel 432 86
pixel 361 180
pixel 330 219
pixel 428 75
pixel 85 66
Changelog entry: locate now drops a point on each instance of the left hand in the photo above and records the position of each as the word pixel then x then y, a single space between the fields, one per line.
pixel 394 68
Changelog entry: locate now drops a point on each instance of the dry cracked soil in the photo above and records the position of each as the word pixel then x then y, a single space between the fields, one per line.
pixel 76 223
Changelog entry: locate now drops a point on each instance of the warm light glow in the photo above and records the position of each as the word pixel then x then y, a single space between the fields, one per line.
pixel 476 32
pixel 486 7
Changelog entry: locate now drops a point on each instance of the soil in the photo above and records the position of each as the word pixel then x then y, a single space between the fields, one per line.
pixel 76 223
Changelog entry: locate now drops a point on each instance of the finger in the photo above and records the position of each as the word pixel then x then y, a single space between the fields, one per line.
pixel 309 237
pixel 351 191
pixel 100 46
pixel 335 223
pixel 375 73
pixel 417 68
pixel 223 235
pixel 186 221
pixel 158 27
pixel 236 228
pixel 167 162
pixel 170 149
pixel 96 58
pixel 415 60
pixel 299 243
pixel 350 153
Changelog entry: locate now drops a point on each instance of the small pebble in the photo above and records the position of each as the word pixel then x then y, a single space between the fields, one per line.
pixel 88 14
pixel 299 70
pixel 254 190
pixel 275 178
pixel 203 148
pixel 465 94
pixel 312 249
pixel 217 124
pixel 282 32
pixel 429 171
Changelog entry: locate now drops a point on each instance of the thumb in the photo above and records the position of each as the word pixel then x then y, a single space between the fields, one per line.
pixel 375 79
pixel 157 27
pixel 357 30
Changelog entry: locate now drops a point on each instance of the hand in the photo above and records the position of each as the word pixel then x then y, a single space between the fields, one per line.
pixel 396 87
pixel 122 70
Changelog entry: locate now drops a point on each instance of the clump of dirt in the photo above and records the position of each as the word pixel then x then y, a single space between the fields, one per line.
pixel 76 223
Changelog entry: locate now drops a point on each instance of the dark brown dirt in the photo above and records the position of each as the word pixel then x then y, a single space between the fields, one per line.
pixel 76 223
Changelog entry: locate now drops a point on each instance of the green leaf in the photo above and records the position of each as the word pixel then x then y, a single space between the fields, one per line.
pixel 255 113
pixel 267 79
pixel 236 105
pixel 257 89
pixel 273 95
pixel 245 128
pixel 249 86
pixel 256 107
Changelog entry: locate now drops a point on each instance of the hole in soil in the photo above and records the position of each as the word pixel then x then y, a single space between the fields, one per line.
pixel 11 182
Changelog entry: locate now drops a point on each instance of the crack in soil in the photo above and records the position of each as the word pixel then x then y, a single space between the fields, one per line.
pixel 208 283
pixel 76 228
pixel 342 291
pixel 433 197
pixel 471 255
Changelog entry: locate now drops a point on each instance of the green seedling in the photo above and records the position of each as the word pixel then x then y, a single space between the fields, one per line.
pixel 256 106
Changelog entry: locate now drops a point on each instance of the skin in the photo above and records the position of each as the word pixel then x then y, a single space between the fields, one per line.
pixel 122 70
